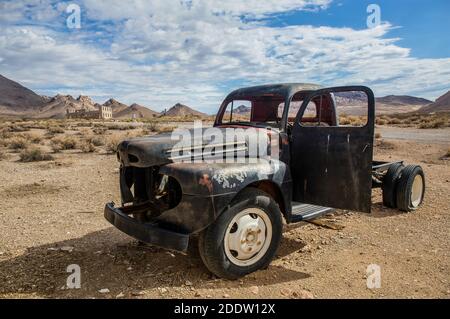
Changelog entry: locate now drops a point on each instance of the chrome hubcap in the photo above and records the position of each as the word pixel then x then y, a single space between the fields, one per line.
pixel 417 191
pixel 248 237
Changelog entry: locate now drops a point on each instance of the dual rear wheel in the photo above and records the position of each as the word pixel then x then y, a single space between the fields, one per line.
pixel 403 187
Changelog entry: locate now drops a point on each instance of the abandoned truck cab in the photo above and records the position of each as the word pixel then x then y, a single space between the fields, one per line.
pixel 284 152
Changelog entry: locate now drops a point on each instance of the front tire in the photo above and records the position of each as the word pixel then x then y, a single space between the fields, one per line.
pixel 244 238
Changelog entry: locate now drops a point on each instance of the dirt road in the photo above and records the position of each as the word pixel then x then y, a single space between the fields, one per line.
pixel 51 217
pixel 436 136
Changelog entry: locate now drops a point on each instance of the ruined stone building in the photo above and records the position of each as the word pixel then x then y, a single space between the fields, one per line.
pixel 102 112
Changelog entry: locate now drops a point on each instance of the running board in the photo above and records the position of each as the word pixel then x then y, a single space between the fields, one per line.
pixel 301 212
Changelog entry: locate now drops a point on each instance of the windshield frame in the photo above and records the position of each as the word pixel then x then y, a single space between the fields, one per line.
pixel 231 98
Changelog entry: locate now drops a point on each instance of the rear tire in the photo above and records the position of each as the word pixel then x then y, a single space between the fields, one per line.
pixel 410 188
pixel 244 238
pixel 389 185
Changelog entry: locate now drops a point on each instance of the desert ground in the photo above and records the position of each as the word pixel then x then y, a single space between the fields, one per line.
pixel 51 216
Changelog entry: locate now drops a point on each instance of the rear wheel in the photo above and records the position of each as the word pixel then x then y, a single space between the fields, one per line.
pixel 389 185
pixel 410 188
pixel 244 238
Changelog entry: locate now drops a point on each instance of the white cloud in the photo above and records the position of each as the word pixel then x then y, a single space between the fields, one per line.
pixel 160 52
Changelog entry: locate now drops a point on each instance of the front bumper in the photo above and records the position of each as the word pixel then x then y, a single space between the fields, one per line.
pixel 148 233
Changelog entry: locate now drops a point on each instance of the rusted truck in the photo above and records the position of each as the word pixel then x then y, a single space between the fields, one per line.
pixel 234 201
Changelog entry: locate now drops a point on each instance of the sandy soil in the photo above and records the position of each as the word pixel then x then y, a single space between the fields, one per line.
pixel 47 206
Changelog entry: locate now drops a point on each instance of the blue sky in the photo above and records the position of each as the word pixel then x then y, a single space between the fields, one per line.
pixel 423 26
pixel 160 52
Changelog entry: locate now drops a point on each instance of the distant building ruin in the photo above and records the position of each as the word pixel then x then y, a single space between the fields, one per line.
pixel 102 112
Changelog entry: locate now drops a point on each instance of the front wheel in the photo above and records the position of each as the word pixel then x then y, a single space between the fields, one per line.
pixel 244 238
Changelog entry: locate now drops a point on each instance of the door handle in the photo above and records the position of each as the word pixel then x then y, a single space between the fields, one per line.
pixel 365 147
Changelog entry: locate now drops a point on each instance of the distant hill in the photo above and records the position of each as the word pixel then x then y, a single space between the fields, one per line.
pixel 136 111
pixel 16 99
pixel 242 109
pixel 183 110
pixel 350 98
pixel 399 104
pixel 402 100
pixel 57 106
pixel 116 106
pixel 442 104
pixel 353 103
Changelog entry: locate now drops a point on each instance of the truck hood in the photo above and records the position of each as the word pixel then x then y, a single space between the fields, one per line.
pixel 185 145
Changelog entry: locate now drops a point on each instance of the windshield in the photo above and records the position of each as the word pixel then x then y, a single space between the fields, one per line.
pixel 257 110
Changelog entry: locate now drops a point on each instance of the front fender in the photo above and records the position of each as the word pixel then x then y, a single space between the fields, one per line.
pixel 208 189
pixel 219 178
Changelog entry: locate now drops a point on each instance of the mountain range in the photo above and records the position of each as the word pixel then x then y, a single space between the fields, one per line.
pixel 442 104
pixel 19 101
pixel 15 98
pixel 183 110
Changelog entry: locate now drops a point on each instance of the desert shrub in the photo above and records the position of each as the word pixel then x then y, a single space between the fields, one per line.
pixel 2 155
pixel 447 155
pixel 99 130
pixel 5 133
pixel 434 123
pixel 33 138
pixel 84 124
pixel 34 154
pixel 381 121
pixel 413 119
pixel 113 127
pixel 151 127
pixel 63 143
pixel 87 147
pixel 395 121
pixel 165 129
pixel 144 131
pixel 352 120
pixel 56 147
pixel 133 134
pixel 439 123
pixel 38 125
pixel 17 143
pixel 121 127
pixel 55 130
pixel 377 135
pixel 17 128
pixel 83 132
pixel 112 144
pixel 344 121
pixel 96 140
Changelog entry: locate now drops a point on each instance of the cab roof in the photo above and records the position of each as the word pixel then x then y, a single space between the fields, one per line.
pixel 283 89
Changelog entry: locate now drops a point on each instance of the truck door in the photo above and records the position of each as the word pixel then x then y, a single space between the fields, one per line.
pixel 331 150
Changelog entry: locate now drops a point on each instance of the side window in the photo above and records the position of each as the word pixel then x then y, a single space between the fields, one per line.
pixel 319 112
pixel 352 108
pixel 339 109
pixel 294 107
pixel 311 114
pixel 237 111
